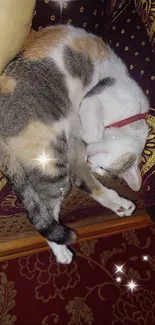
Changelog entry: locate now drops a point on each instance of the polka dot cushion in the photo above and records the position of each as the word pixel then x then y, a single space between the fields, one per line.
pixel 128 37
pixel 86 14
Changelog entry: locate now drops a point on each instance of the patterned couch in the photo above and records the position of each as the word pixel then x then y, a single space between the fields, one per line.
pixel 129 26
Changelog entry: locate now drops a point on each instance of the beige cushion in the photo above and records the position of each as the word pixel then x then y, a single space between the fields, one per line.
pixel 15 23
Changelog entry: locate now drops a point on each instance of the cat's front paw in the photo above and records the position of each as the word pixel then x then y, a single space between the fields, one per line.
pixel 119 205
pixel 126 208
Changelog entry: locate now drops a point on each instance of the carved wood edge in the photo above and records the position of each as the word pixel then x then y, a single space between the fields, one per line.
pixel 87 229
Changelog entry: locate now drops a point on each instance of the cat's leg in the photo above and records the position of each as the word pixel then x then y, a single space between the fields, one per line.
pixel 83 179
pixel 35 188
pixel 45 217
pixel 58 236
pixel 50 185
pixel 107 197
pixel 62 252
pixel 110 199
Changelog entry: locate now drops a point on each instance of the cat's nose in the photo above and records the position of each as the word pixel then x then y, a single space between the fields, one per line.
pixel 88 162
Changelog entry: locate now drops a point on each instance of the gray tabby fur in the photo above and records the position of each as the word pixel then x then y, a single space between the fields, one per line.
pixel 39 96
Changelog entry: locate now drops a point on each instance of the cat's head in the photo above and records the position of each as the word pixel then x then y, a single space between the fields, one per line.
pixel 119 154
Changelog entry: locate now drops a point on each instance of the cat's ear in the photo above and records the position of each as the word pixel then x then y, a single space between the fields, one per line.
pixel 133 177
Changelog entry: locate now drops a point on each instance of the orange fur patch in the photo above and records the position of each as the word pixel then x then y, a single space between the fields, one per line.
pixel 97 192
pixel 31 143
pixel 7 84
pixel 91 45
pixel 40 43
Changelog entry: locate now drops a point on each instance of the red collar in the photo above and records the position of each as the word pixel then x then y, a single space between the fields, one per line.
pixel 134 118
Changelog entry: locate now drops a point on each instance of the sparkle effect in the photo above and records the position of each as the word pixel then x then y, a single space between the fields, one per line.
pixel 118 279
pixel 44 159
pixel 145 258
pixel 132 285
pixel 119 268
pixel 61 3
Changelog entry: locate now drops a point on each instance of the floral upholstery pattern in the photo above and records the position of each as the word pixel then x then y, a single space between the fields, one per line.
pixel 36 290
pixel 146 10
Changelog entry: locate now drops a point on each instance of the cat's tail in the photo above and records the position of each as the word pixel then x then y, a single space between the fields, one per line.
pixel 39 215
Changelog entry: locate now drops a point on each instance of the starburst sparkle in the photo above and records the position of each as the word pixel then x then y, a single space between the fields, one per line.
pixel 62 4
pixel 118 279
pixel 119 268
pixel 44 159
pixel 132 285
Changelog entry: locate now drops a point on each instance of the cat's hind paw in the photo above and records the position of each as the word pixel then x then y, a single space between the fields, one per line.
pixel 65 257
pixel 62 253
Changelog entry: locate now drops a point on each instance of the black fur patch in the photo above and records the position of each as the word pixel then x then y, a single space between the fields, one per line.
pixel 78 65
pixel 84 188
pixel 57 233
pixel 104 83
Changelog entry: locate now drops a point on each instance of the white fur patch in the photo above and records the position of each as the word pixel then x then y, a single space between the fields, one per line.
pixel 107 148
pixel 111 200
pixel 62 253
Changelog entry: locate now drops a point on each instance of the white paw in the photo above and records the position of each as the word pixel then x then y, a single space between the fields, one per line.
pixel 62 253
pixel 126 208
pixel 65 256
pixel 119 205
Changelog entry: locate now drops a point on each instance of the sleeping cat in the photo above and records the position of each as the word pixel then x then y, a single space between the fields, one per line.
pixel 40 142
pixel 113 125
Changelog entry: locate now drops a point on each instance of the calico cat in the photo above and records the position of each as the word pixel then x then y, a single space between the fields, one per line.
pixel 40 92
pixel 115 109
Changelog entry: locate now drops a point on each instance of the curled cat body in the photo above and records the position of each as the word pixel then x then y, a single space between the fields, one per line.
pixel 40 139
pixel 115 109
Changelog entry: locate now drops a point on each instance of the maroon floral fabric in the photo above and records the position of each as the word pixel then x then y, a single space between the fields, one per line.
pixel 36 290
